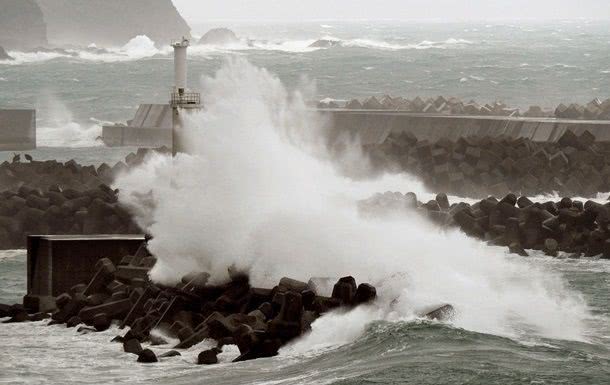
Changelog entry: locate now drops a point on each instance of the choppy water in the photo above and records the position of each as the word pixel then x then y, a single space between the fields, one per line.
pixel 408 352
pixel 519 63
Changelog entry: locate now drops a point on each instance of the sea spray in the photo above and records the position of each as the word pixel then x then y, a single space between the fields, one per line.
pixel 58 127
pixel 249 196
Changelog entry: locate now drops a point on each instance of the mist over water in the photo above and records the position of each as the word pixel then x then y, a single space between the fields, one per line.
pixel 250 196
pixel 59 128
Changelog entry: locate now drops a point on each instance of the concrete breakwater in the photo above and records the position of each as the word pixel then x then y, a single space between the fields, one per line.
pixel 50 197
pixel 476 166
pixel 570 226
pixel 258 320
pixel 153 123
pixel 594 110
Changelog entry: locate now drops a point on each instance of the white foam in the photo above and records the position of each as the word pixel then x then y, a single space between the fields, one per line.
pixel 258 192
pixel 59 128
pixel 142 47
pixel 139 47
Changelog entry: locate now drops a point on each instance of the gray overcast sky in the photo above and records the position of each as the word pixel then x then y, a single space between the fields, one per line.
pixel 196 11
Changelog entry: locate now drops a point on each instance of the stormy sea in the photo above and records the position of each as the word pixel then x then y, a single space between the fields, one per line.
pixel 256 191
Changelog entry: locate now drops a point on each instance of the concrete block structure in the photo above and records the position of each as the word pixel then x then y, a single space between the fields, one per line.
pixel 374 126
pixel 17 130
pixel 55 263
pixel 151 127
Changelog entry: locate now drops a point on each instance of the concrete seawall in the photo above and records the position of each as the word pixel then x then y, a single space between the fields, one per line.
pixel 17 130
pixel 152 126
pixel 374 126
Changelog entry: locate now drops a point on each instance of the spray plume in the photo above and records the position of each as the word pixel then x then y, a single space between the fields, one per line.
pixel 249 195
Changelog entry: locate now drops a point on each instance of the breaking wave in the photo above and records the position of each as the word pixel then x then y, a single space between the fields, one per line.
pixel 142 47
pixel 58 128
pixel 258 193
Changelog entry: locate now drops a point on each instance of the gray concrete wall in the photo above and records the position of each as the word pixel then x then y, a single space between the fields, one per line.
pixel 55 263
pixel 150 137
pixel 17 130
pixel 373 126
pixel 150 127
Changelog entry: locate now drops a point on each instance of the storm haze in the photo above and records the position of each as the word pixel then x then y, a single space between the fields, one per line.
pixel 296 10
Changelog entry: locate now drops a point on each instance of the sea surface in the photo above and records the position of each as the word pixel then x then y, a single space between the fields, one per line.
pixel 520 63
pixel 404 352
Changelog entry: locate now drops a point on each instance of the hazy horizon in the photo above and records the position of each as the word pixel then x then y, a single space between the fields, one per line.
pixel 195 11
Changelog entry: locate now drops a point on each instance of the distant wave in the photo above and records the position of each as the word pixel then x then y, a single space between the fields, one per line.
pixel 139 47
pixel 305 45
pixel 142 47
pixel 57 126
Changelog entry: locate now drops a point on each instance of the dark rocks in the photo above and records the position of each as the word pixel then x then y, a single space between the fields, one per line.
pixel 258 320
pixel 365 293
pixel 517 222
pixel 345 290
pixel 49 197
pixel 18 316
pixel 208 357
pixel 171 353
pixel 101 322
pixel 147 356
pixel 594 110
pixel 480 166
pixel 5 310
pixel 73 321
pixel 132 346
pixel 442 313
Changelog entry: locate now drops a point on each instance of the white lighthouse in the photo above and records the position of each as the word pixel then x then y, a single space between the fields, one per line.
pixel 182 100
pixel 180 66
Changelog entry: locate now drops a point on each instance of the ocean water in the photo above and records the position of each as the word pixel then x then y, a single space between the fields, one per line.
pixel 534 320
pixel 519 63
pixel 403 352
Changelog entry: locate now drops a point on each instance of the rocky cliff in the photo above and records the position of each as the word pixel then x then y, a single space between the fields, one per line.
pixel 22 25
pixel 111 22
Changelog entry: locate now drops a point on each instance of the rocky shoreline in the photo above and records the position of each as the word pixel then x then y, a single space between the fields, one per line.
pixel 481 166
pixel 594 110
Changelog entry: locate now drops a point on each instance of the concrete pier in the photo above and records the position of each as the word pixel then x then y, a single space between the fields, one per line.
pixel 17 130
pixel 152 126
pixel 374 126
pixel 55 263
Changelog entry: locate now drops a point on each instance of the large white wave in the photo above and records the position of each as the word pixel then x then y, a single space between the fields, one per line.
pixel 259 193
pixel 139 47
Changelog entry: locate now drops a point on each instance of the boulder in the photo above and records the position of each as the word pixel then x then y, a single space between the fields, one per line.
pixel 132 346
pixel 147 356
pixel 208 357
